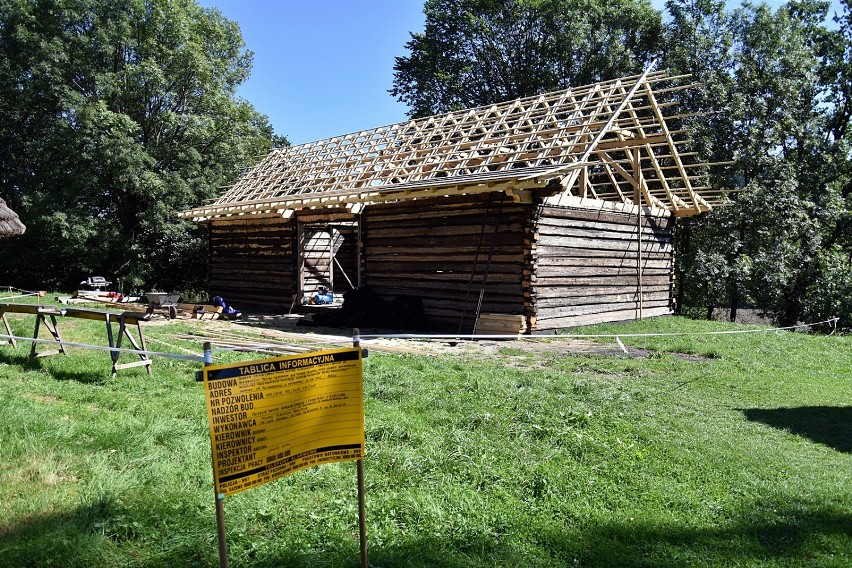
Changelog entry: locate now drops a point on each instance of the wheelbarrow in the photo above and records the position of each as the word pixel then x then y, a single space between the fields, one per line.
pixel 163 301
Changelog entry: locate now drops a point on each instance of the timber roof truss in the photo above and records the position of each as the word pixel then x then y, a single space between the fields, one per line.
pixel 607 141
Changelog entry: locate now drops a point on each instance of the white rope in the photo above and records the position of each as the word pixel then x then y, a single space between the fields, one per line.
pixel 148 338
pixel 832 321
pixel 104 348
pixel 26 295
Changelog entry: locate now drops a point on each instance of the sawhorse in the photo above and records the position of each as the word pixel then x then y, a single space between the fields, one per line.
pixel 41 313
pixel 123 319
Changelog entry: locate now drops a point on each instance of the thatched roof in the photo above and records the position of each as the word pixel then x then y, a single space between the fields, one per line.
pixel 608 141
pixel 10 224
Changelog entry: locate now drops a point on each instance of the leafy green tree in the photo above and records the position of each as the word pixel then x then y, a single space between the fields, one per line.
pixel 114 115
pixel 698 45
pixel 785 123
pixel 475 52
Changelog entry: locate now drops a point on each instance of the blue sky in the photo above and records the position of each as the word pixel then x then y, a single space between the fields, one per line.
pixel 323 67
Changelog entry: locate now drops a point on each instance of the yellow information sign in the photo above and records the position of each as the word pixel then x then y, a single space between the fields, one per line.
pixel 272 417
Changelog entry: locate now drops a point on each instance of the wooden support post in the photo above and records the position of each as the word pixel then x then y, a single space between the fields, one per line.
pixel 123 331
pixel 362 508
pixel 639 254
pixel 11 335
pixel 41 313
pixel 51 328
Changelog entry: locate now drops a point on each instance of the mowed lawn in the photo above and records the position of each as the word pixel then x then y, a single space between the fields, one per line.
pixel 721 450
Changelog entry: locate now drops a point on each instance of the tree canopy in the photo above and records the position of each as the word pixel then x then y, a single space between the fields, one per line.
pixel 776 103
pixel 115 114
pixel 476 52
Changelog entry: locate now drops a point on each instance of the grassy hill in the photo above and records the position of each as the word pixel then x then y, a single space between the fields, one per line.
pixel 719 450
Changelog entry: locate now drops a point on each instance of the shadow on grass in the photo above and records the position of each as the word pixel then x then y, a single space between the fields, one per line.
pixel 107 533
pixel 20 360
pixel 98 377
pixel 829 425
pixel 97 374
pixel 169 534
pixel 787 538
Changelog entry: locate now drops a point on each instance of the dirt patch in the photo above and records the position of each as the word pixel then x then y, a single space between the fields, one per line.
pixel 290 329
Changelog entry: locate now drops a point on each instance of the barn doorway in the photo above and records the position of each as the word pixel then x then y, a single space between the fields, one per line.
pixel 328 261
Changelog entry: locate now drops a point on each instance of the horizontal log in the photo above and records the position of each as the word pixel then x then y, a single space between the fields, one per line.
pixel 250 285
pixel 387 255
pixel 449 231
pixel 597 309
pixel 261 263
pixel 545 223
pixel 545 284
pixel 547 271
pixel 432 266
pixel 233 223
pixel 327 216
pixel 249 275
pixel 547 251
pixel 242 250
pixel 437 251
pixel 458 279
pixel 440 203
pixel 615 297
pixel 548 212
pixel 464 242
pixel 622 235
pixel 605 244
pixel 574 321
pixel 238 231
pixel 559 262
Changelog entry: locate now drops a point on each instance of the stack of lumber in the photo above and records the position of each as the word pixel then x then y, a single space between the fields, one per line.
pixel 501 324
pixel 200 311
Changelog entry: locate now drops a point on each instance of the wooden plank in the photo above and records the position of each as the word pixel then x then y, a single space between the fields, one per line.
pixel 555 263
pixel 616 295
pixel 619 232
pixel 13 308
pixel 589 309
pixel 545 284
pixel 574 321
pixel 602 245
pixel 547 271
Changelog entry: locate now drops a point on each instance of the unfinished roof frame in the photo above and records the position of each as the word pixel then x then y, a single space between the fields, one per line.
pixel 607 141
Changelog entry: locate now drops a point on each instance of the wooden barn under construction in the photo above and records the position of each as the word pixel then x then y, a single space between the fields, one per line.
pixel 531 215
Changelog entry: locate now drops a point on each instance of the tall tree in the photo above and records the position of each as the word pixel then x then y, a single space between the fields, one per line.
pixel 698 46
pixel 115 114
pixel 782 244
pixel 475 52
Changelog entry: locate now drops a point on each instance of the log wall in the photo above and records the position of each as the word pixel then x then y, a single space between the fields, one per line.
pixel 252 261
pixel 585 267
pixel 438 250
pixel 555 267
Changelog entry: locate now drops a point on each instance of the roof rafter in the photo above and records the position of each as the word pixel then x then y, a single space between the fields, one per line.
pixel 592 136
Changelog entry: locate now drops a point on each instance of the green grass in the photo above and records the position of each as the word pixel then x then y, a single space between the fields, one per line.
pixel 740 455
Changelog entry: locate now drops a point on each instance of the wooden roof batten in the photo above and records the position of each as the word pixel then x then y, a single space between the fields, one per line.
pixel 607 141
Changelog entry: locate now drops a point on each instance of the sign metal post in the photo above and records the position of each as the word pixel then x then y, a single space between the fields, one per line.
pixel 362 509
pixel 221 532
